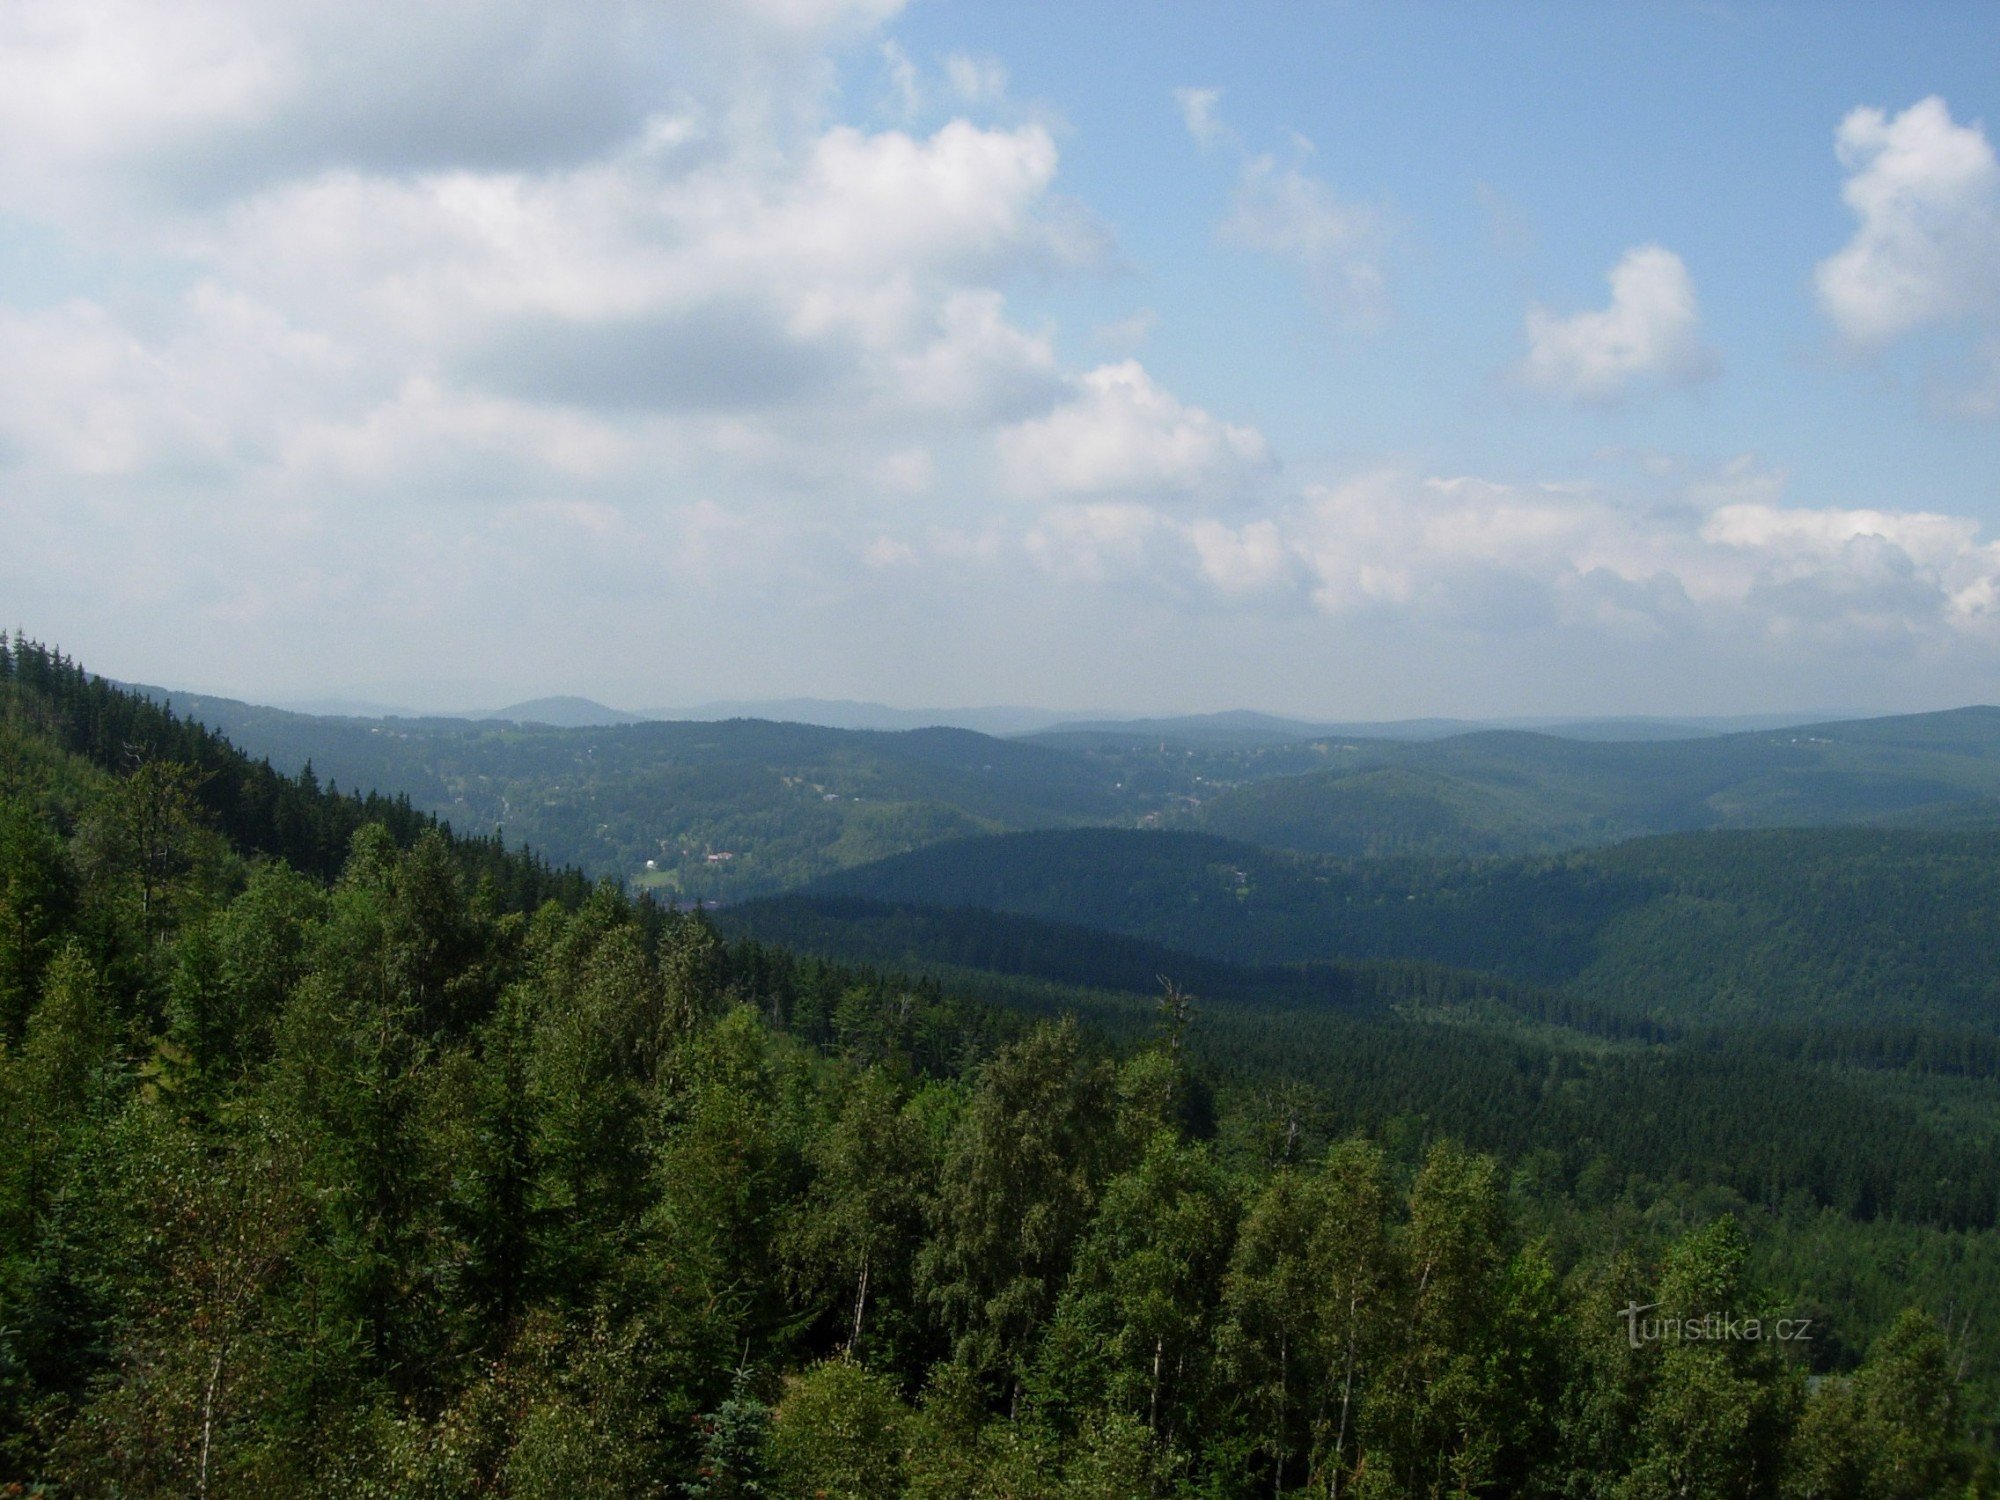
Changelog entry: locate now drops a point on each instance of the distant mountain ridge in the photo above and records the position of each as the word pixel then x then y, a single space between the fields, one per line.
pixel 1228 728
pixel 1244 728
pixel 842 713
pixel 1509 792
pixel 559 713
pixel 778 802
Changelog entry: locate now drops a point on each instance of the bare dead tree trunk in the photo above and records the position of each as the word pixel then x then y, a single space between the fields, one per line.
pixel 1346 1401
pixel 860 1302
pixel 1153 1402
pixel 208 1414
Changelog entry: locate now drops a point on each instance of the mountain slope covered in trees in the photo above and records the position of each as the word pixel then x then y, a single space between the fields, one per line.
pixel 1503 792
pixel 437 1173
pixel 1768 925
pixel 745 807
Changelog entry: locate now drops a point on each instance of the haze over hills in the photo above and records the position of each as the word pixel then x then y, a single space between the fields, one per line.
pixel 736 807
pixel 1232 728
pixel 1242 729
pixel 838 713
pixel 1510 792
pixel 559 713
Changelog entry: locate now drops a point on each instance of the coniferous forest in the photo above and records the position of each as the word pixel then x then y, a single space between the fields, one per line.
pixel 344 1154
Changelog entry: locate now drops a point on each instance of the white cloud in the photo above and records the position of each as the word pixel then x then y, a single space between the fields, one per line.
pixel 1649 336
pixel 1282 210
pixel 1244 562
pixel 1100 542
pixel 1121 434
pixel 979 367
pixel 1482 561
pixel 1927 250
pixel 636 341
pixel 643 303
pixel 115 111
pixel 856 275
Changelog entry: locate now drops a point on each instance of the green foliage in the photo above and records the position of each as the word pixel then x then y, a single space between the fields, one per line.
pixel 790 802
pixel 390 1185
pixel 734 1463
pixel 839 1431
pixel 1777 926
pixel 1019 1180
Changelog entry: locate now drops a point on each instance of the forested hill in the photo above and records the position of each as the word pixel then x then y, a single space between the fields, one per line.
pixel 920 939
pixel 260 810
pixel 436 1174
pixel 1785 924
pixel 1508 792
pixel 744 808
pixel 694 810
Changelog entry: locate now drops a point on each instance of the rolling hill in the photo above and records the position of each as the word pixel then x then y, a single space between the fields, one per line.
pixel 1511 792
pixel 745 807
pixel 1843 924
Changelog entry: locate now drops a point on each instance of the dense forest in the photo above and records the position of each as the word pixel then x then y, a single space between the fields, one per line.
pixel 1768 925
pixel 342 1154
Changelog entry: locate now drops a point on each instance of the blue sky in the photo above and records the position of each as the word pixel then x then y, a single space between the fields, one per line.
pixel 1522 150
pixel 1343 359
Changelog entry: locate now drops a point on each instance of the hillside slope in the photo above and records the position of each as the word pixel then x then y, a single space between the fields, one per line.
pixel 745 807
pixel 1508 792
pixel 1764 925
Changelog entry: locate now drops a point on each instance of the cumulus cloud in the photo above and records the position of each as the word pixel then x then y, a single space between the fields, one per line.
pixel 1648 337
pixel 581 329
pixel 626 275
pixel 1727 558
pixel 1122 434
pixel 851 276
pixel 1926 251
pixel 114 107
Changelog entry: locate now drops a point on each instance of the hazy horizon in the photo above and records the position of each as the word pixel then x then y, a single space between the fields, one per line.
pixel 446 705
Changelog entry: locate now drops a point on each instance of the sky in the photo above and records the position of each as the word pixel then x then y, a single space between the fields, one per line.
pixel 1345 360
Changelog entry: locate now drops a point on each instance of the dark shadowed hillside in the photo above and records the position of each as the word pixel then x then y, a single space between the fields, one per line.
pixel 1767 924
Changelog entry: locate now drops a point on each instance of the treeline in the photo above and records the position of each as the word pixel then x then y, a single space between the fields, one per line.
pixel 1505 792
pixel 259 810
pixel 788 802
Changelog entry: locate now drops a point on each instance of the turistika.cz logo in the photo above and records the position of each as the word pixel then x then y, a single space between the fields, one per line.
pixel 1710 1328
